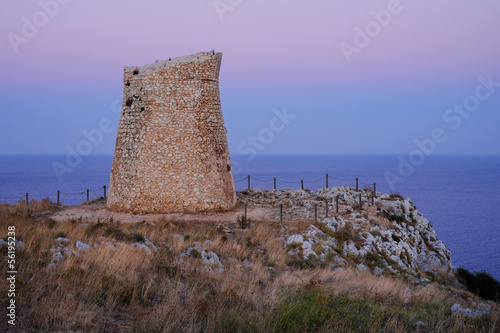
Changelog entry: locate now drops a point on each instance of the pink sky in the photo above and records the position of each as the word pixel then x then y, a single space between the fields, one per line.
pixel 282 52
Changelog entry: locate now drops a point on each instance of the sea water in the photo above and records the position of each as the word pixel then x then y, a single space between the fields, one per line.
pixel 460 195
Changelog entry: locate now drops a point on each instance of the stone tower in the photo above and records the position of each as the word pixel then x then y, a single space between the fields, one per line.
pixel 171 151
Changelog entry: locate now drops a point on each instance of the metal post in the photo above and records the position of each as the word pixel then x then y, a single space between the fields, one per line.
pixel 373 198
pixel 88 196
pixel 360 203
pixel 326 180
pixel 302 184
pixel 104 191
pixel 315 212
pixel 337 202
pixel 326 213
pixel 249 182
pixel 375 190
pixel 356 184
pixel 58 197
pixel 274 182
pixel 245 211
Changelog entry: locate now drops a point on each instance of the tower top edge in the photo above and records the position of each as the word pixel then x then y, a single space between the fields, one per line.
pixel 158 65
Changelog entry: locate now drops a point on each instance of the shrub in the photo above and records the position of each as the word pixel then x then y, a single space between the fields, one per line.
pixel 481 284
pixel 315 310
pixel 299 262
pixel 93 228
pixel 129 101
pixel 136 71
pixel 244 222
pixel 58 233
pixel 324 228
pixel 50 223
pixel 397 218
pixel 396 196
pixel 293 246
pixel 391 216
pixel 119 235
pixel 195 254
pixel 373 259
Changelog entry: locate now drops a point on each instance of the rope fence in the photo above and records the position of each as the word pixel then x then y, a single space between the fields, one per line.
pixel 326 178
pixel 325 205
pixel 103 190
pixel 26 197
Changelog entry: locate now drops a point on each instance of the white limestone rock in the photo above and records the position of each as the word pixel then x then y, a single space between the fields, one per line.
pixel 294 239
pixel 82 246
pixel 209 259
pixel 61 240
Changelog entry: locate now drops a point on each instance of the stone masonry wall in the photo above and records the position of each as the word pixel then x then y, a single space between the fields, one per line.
pixel 171 151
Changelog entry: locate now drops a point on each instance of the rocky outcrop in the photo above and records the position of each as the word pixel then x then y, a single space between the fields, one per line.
pixel 209 259
pixel 391 236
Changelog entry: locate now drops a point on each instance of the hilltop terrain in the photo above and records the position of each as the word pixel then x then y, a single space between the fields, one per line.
pixel 378 267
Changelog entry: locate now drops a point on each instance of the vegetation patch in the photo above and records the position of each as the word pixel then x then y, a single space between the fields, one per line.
pixel 243 222
pixel 299 262
pixel 481 284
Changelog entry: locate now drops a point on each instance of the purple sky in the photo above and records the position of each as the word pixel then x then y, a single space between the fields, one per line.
pixel 64 78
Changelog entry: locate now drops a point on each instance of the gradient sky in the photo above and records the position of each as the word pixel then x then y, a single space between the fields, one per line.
pixel 277 54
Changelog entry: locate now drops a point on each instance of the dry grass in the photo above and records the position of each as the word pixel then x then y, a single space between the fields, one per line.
pixel 114 287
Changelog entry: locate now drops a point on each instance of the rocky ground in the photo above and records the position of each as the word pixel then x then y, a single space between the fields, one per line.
pixel 220 271
pixel 388 235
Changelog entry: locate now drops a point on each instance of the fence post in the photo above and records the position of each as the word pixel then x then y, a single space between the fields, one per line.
pixel 58 198
pixel 315 212
pixel 360 203
pixel 274 182
pixel 248 182
pixel 326 212
pixel 27 202
pixel 281 214
pixel 337 202
pixel 356 184
pixel 302 184
pixel 373 198
pixel 245 211
pixel 104 191
pixel 88 196
pixel 326 180
pixel 375 190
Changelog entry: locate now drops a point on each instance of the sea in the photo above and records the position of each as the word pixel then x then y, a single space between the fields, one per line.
pixel 459 195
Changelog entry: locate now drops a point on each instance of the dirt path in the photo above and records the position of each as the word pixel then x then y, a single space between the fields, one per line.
pixel 98 211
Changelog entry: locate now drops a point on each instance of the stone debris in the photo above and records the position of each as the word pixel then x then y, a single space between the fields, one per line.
pixel 61 240
pixel 19 244
pixel 82 246
pixel 294 239
pixel 141 246
pixel 209 259
pixel 457 310
pixel 148 243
